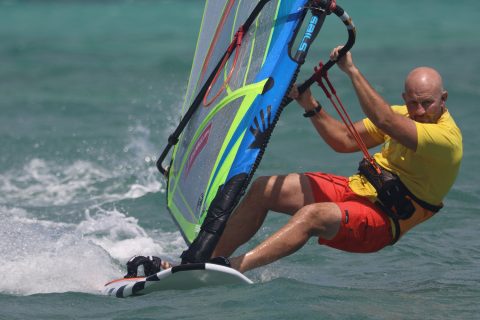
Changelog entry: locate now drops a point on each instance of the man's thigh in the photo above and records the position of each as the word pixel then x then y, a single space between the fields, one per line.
pixel 287 193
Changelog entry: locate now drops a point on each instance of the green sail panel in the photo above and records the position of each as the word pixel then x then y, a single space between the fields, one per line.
pixel 227 134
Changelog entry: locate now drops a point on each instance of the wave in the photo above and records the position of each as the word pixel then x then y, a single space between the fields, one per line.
pixel 45 183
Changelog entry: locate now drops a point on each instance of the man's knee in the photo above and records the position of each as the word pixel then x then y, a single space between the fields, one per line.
pixel 321 219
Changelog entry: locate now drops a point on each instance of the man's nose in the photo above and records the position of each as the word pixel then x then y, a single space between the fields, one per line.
pixel 419 109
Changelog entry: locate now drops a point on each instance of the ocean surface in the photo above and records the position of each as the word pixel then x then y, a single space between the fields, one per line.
pixel 90 91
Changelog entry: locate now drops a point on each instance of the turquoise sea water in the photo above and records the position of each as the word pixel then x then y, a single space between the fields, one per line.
pixel 90 91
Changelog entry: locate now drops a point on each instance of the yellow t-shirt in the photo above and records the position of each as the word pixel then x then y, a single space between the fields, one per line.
pixel 430 171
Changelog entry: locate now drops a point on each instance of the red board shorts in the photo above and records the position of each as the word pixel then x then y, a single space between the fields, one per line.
pixel 364 227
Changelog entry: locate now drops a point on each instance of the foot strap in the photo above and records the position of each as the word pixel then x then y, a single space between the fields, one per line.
pixel 223 261
pixel 151 265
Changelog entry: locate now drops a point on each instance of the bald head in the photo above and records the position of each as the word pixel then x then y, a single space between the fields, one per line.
pixel 424 79
pixel 424 95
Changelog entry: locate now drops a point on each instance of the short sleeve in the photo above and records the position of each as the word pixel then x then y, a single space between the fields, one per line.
pixel 374 131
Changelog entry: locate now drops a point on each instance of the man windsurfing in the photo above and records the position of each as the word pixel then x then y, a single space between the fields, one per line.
pixel 403 186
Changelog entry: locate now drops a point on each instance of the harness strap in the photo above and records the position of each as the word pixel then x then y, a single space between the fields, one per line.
pixel 389 186
pixel 396 224
pixel 424 204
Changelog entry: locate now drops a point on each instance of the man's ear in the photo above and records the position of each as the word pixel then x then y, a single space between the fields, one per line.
pixel 444 96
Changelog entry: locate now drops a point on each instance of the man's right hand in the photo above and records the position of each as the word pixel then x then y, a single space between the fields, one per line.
pixel 305 100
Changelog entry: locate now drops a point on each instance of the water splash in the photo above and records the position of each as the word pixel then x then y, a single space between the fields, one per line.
pixel 42 256
pixel 56 253
pixel 122 237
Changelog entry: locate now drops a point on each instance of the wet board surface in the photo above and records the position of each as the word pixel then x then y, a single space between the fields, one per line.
pixel 182 277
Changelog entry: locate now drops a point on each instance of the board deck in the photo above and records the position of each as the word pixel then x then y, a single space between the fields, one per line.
pixel 182 277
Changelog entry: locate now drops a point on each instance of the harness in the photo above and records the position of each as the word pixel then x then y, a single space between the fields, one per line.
pixel 393 197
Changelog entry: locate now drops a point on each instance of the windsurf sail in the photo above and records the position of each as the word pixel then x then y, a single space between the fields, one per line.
pixel 241 74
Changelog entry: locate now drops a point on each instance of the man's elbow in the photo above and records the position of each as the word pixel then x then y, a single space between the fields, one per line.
pixel 344 147
pixel 384 119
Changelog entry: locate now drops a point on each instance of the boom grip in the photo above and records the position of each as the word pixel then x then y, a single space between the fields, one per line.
pixel 339 12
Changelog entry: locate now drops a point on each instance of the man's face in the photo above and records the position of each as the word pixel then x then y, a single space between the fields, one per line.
pixel 424 105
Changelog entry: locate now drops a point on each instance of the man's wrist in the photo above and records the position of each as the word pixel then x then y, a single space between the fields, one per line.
pixel 311 112
pixel 312 104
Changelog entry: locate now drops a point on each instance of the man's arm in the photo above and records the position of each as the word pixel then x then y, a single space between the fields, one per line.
pixel 334 132
pixel 400 128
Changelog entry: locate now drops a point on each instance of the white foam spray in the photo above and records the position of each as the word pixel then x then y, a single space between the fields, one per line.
pixel 58 236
